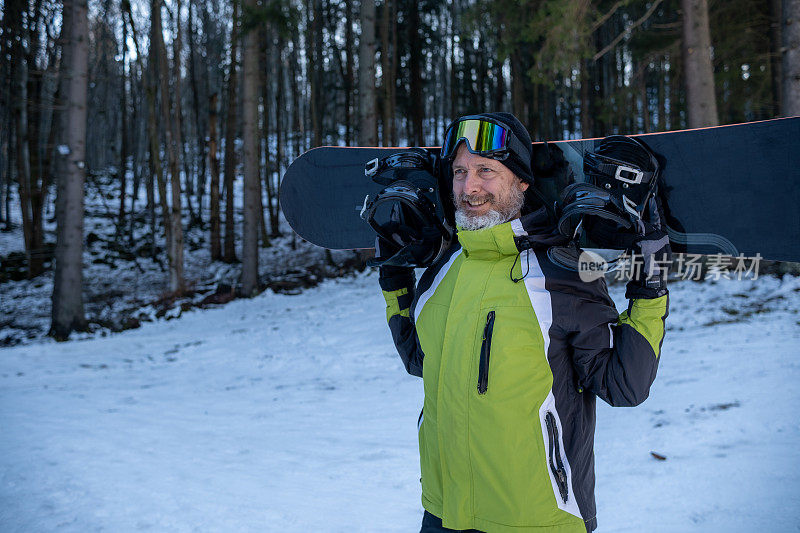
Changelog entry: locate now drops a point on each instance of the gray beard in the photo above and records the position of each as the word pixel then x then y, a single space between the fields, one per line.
pixel 504 213
pixel 492 218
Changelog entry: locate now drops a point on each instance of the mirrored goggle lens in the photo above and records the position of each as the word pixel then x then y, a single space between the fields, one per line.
pixel 481 137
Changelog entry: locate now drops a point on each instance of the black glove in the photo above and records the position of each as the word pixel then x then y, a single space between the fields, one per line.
pixel 390 277
pixel 651 253
pixel 419 250
pixel 650 276
pixel 653 246
pixel 385 249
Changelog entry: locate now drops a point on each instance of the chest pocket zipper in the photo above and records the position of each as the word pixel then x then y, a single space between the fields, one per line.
pixel 486 349
pixel 556 465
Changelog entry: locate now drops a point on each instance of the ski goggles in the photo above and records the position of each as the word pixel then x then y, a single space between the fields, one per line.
pixel 483 136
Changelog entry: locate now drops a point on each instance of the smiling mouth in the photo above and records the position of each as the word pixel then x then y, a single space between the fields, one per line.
pixel 474 203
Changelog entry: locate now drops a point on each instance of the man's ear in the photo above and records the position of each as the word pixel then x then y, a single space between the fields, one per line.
pixel 523 185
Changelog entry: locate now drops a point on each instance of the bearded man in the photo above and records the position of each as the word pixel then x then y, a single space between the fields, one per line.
pixel 513 349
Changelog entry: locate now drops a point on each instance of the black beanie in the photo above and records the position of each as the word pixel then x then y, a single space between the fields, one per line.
pixel 518 163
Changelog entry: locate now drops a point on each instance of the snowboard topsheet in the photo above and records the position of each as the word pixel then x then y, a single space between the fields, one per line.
pixel 728 189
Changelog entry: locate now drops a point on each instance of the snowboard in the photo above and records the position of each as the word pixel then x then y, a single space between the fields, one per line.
pixel 731 190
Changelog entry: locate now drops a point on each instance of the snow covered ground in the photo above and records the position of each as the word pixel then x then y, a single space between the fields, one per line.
pixel 293 413
pixel 121 283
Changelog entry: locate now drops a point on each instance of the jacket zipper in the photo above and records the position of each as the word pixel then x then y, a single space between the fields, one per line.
pixel 486 348
pixel 556 466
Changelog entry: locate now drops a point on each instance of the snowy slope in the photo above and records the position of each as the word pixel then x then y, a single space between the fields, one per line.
pixel 293 413
pixel 121 283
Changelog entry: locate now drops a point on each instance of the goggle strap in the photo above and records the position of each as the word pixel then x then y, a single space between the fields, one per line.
pixel 518 146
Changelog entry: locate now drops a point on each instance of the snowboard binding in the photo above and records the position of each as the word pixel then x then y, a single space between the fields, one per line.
pixel 621 180
pixel 619 193
pixel 408 214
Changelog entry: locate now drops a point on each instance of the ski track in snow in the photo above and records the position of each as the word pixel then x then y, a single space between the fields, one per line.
pixel 293 413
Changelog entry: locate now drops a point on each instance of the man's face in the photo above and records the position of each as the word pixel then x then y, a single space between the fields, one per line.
pixel 485 191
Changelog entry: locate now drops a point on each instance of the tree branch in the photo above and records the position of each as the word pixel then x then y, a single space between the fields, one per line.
pixel 608 15
pixel 627 31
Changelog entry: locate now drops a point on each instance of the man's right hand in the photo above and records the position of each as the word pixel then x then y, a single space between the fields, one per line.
pixel 419 250
pixel 385 249
pixel 391 277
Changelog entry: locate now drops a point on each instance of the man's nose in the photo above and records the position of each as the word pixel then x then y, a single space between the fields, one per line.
pixel 472 183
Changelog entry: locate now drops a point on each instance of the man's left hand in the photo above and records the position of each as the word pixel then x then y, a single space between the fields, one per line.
pixel 652 244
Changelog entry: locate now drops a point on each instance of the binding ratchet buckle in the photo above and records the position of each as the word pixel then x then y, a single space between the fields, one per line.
pixel 371 168
pixel 629 175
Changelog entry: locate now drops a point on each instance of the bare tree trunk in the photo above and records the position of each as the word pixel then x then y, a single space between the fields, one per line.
pixel 252 181
pixel 24 43
pixel 699 72
pixel 387 75
pixel 315 66
pixel 368 132
pixel 454 108
pixel 319 69
pixel 518 101
pixel 467 51
pixel 200 183
pixel 38 183
pixel 67 310
pixel 151 203
pixel 265 80
pixel 776 54
pixel 349 75
pixel 5 131
pixel 586 116
pixel 173 144
pixel 417 95
pixel 310 118
pixel 213 164
pixel 279 135
pixel 645 111
pixel 5 183
pixel 229 251
pixel 791 58
pixel 266 98
pixel 23 149
pixel 675 75
pixel 297 121
pixel 13 42
pixel 481 72
pixel 211 72
pixel 177 114
pixel 136 101
pixel 156 175
pixel 500 88
pixel 393 72
pixel 662 97
pixel 598 103
pixel 123 153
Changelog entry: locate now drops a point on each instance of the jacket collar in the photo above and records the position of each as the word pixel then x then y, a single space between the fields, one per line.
pixel 488 243
pixel 534 230
pixel 537 230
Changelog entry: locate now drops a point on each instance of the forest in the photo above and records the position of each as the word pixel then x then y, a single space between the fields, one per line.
pixel 190 112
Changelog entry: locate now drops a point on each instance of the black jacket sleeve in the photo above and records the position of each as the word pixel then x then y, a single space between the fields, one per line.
pixel 398 291
pixel 616 356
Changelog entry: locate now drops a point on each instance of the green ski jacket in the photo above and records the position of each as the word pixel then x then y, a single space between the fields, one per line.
pixel 513 350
